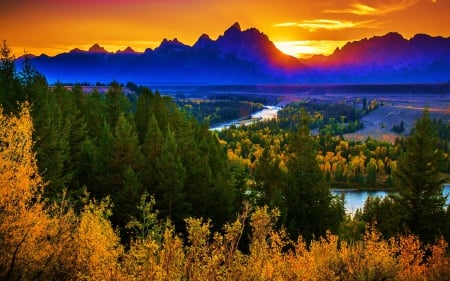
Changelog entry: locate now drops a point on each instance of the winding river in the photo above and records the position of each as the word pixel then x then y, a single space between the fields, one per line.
pixel 268 112
pixel 354 199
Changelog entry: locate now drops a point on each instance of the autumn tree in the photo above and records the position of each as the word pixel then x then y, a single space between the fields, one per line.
pixel 23 222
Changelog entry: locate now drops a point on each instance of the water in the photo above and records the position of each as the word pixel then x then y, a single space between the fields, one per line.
pixel 267 113
pixel 355 199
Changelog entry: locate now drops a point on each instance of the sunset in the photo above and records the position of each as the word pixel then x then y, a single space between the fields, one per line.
pixel 299 28
pixel 224 140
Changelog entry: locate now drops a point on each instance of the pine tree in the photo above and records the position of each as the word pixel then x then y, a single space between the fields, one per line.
pixel 171 177
pixel 126 152
pixel 142 114
pixel 268 178
pixel 9 84
pixel 151 149
pixel 52 140
pixel 308 199
pixel 418 183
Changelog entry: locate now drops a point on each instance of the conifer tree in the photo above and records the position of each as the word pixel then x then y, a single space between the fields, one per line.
pixel 9 84
pixel 52 140
pixel 308 199
pixel 418 182
pixel 151 149
pixel 268 178
pixel 171 196
pixel 142 114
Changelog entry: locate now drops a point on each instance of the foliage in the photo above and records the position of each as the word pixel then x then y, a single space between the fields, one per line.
pixel 43 241
pixel 213 111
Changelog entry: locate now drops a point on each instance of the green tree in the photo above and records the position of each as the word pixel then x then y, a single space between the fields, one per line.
pixel 9 84
pixel 371 170
pixel 151 149
pixel 52 140
pixel 268 179
pixel 116 104
pixel 418 182
pixel 308 198
pixel 126 152
pixel 126 199
pixel 171 196
pixel 143 114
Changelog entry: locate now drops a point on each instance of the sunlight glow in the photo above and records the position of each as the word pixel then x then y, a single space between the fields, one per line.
pixel 308 48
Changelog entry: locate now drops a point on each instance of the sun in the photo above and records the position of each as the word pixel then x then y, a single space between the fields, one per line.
pixel 307 48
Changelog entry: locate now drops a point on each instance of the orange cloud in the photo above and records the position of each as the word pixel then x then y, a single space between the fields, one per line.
pixel 328 24
pixel 375 9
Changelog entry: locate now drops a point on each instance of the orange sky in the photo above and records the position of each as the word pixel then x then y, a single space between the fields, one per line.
pixel 300 27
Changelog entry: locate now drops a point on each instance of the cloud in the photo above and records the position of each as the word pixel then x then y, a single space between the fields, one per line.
pixel 328 24
pixel 375 9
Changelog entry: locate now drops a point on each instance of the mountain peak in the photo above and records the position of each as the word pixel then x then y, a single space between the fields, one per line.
pixel 171 43
pixel 127 50
pixel 96 48
pixel 203 42
pixel 236 27
pixel 76 51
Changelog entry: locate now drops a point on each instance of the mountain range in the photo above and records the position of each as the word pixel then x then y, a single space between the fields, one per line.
pixel 249 57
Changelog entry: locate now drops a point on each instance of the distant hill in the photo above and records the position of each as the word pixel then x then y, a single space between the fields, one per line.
pixel 249 57
pixel 386 59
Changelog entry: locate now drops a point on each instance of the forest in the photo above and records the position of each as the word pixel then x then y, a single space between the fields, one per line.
pixel 107 186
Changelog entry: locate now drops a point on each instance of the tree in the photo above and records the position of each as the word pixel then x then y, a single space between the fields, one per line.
pixel 308 198
pixel 171 177
pixel 9 84
pixel 52 140
pixel 151 149
pixel 418 183
pixel 142 114
pixel 268 178
pixel 22 220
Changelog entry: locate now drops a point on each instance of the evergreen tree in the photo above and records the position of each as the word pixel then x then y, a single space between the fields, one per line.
pixel 268 178
pixel 151 149
pixel 308 199
pixel 171 196
pixel 52 141
pixel 9 84
pixel 142 114
pixel 126 152
pixel 127 198
pixel 116 104
pixel 418 183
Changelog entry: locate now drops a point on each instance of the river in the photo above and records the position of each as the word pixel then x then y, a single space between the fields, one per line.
pixel 355 199
pixel 268 112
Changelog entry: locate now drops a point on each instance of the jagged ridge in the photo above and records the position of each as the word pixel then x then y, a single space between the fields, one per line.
pixel 248 56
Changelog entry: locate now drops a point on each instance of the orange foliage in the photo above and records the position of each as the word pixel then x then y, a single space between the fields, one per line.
pixel 42 241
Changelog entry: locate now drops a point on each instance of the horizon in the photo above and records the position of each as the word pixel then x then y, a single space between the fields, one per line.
pixel 288 49
pixel 299 29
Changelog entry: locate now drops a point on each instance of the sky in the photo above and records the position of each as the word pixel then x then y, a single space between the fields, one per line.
pixel 298 27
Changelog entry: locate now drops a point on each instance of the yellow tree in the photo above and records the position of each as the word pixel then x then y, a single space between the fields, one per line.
pixel 23 222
